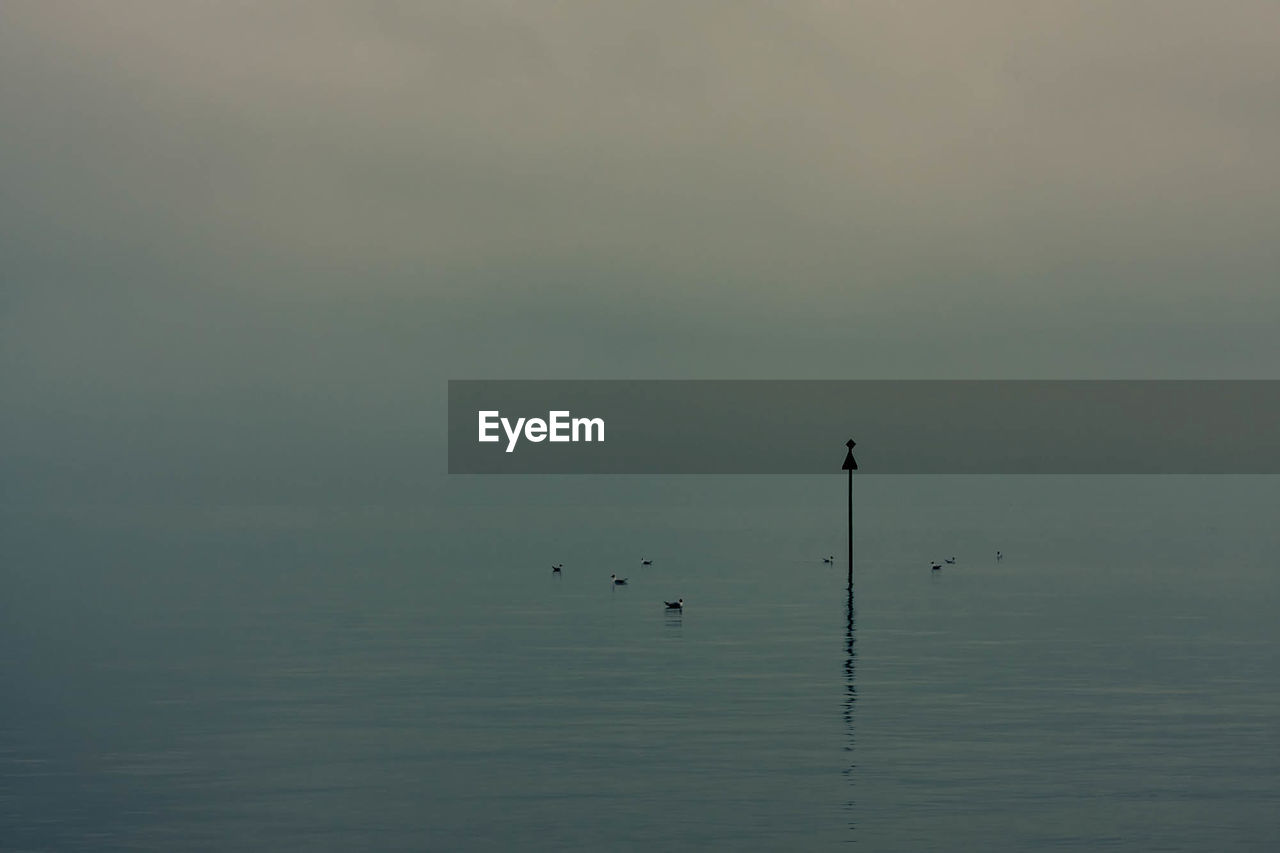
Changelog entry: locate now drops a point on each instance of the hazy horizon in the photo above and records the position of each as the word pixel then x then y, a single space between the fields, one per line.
pixel 245 248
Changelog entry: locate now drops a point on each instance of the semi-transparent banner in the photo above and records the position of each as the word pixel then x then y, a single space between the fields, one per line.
pixel 901 427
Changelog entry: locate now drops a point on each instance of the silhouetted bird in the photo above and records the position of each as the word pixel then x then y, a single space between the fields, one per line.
pixel 617 581
pixel 556 568
pixel 950 561
pixel 999 556
pixel 830 559
pixel 935 567
pixel 675 605
pixel 646 562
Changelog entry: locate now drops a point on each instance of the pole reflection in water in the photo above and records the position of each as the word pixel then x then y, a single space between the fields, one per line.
pixel 849 703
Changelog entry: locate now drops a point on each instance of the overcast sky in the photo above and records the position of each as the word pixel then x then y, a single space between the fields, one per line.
pixel 243 246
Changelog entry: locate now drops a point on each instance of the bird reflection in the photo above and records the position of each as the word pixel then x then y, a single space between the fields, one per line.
pixel 850 700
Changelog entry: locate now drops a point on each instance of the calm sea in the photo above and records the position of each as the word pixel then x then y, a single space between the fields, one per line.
pixel 287 679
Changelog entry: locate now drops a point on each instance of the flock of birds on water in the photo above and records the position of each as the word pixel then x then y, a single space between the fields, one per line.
pixel 933 565
pixel 678 604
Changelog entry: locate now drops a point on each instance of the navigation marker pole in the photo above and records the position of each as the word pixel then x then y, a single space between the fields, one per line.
pixel 850 465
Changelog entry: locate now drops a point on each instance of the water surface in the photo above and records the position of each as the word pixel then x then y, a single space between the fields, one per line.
pixel 1114 682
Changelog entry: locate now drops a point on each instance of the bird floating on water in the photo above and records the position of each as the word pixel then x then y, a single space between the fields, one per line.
pixel 617 581
pixel 557 567
pixel 646 562
pixel 999 556
pixel 935 566
pixel 678 604
pixel 950 561
pixel 830 559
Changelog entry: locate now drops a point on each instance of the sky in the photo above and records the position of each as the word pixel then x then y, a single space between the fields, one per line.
pixel 244 246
